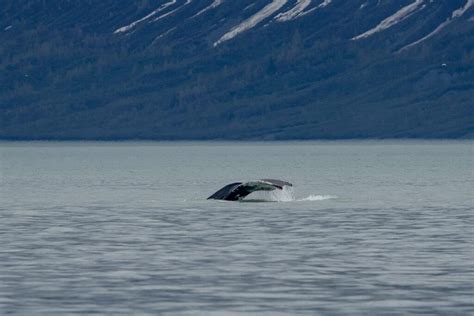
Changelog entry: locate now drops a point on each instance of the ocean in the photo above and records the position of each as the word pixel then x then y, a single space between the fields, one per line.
pixel 122 228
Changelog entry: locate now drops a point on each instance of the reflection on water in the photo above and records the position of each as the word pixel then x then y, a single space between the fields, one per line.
pixel 125 229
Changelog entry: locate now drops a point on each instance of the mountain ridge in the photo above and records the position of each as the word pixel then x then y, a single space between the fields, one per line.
pixel 88 70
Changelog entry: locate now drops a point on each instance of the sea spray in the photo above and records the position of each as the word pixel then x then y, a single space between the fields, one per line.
pixel 319 198
pixel 287 194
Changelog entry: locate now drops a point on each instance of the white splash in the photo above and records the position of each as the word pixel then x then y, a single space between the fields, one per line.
pixel 213 5
pixel 392 20
pixel 287 194
pixel 294 12
pixel 319 198
pixel 128 27
pixel 456 14
pixel 251 22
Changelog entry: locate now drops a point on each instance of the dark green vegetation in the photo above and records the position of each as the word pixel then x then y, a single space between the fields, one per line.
pixel 64 74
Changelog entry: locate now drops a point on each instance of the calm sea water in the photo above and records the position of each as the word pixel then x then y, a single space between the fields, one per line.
pixel 125 228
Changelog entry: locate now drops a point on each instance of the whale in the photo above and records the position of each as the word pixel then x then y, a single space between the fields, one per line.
pixel 239 190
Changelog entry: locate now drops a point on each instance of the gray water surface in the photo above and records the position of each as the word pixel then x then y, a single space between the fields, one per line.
pixel 125 228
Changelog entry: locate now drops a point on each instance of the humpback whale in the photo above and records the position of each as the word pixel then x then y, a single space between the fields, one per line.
pixel 239 190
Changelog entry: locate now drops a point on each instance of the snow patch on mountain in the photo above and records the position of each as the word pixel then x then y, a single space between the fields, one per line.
pixel 128 27
pixel 251 22
pixel 460 12
pixel 163 35
pixel 456 14
pixel 324 4
pixel 294 12
pixel 213 5
pixel 172 11
pixel 392 20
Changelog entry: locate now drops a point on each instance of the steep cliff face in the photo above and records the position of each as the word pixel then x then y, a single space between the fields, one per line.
pixel 253 69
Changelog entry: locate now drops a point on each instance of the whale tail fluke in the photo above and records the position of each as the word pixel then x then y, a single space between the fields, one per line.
pixel 239 190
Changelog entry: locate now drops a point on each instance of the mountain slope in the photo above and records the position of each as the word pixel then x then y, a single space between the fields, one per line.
pixel 251 69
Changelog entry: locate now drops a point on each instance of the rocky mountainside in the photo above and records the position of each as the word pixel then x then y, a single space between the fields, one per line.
pixel 225 69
